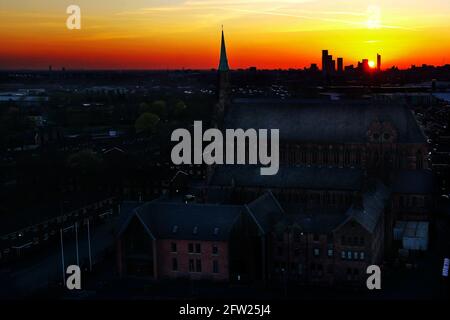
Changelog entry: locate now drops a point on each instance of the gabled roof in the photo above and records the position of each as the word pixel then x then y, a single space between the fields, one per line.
pixel 168 220
pixel 321 223
pixel 178 174
pixel 313 220
pixel 265 211
pixel 113 149
pixel 127 212
pixel 372 208
pixel 322 121
pixel 301 177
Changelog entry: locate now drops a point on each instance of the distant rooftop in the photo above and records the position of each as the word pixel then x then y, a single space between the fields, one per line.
pixel 302 177
pixel 322 121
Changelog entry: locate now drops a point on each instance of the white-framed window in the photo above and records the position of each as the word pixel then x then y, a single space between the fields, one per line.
pixel 355 255
pixel 215 249
pixel 361 255
pixel 215 266
pixel 349 255
pixel 343 255
pixel 316 252
pixel 330 252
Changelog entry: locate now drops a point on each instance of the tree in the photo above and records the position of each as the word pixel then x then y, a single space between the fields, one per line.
pixel 179 108
pixel 146 123
pixel 144 107
pixel 86 170
pixel 159 108
pixel 84 160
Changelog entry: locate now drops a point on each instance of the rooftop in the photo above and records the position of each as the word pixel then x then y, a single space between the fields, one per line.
pixel 322 121
pixel 168 220
pixel 301 177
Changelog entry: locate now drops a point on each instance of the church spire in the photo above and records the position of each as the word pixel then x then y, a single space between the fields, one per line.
pixel 223 64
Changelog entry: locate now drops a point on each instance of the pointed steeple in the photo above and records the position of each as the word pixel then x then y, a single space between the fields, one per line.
pixel 223 64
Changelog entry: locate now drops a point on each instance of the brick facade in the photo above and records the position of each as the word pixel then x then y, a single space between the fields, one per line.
pixel 340 256
pixel 175 260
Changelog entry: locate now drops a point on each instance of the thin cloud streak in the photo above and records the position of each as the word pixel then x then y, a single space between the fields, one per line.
pixel 355 23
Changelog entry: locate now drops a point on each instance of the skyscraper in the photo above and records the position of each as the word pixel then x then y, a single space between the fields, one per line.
pixel 332 64
pixel 378 62
pixel 340 64
pixel 324 61
pixel 365 65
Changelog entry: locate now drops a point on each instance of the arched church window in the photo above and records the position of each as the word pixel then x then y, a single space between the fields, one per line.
pixel 376 157
pixel 325 157
pixel 314 156
pixel 303 156
pixel 419 160
pixel 347 157
pixel 336 157
pixel 357 157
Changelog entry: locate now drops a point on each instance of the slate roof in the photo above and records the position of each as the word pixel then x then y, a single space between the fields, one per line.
pixel 373 204
pixel 265 211
pixel 339 122
pixel 321 223
pixel 168 220
pixel 217 195
pixel 127 211
pixel 301 177
pixel 316 220
pixel 442 96
pixel 413 182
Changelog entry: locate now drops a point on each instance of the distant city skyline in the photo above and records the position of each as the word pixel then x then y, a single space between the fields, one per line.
pixel 268 34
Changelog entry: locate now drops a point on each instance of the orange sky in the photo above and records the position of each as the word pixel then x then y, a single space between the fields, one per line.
pixel 155 34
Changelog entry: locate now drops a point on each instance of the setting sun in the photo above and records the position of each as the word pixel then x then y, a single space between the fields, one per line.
pixel 371 64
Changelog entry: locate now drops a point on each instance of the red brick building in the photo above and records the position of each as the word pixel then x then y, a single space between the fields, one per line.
pixel 330 246
pixel 162 240
pixel 177 240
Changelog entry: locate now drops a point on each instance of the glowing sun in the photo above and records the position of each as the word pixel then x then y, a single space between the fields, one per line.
pixel 371 64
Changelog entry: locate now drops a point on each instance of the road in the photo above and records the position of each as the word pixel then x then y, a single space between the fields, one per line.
pixel 47 269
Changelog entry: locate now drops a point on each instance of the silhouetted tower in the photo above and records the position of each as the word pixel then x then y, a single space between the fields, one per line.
pixel 378 62
pixel 365 65
pixel 340 65
pixel 223 85
pixel 332 64
pixel 324 61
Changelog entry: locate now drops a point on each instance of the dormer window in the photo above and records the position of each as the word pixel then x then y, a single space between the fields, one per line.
pixel 195 230
pixel 175 229
pixel 216 231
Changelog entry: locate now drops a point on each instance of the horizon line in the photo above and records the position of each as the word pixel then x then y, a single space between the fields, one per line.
pixel 59 69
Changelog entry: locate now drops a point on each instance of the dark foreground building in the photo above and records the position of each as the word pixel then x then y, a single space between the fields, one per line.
pixel 259 242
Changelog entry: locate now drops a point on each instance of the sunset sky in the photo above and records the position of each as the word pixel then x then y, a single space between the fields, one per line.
pixel 160 34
